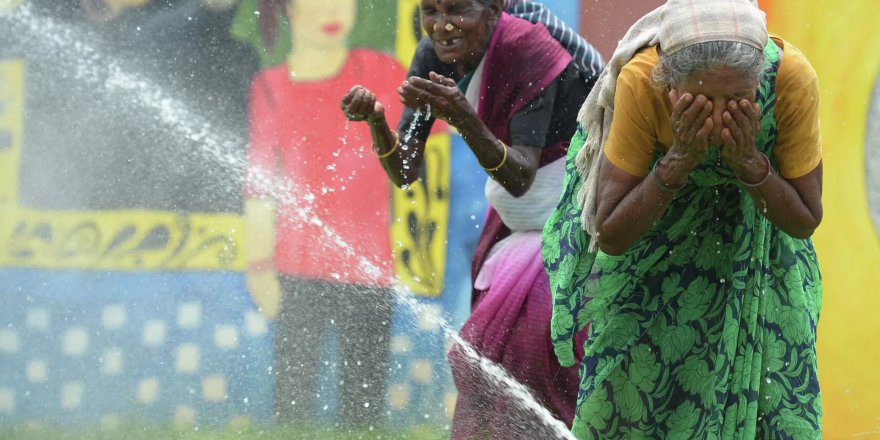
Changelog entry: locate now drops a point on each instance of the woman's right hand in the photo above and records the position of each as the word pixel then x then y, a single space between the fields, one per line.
pixel 360 104
pixel 691 126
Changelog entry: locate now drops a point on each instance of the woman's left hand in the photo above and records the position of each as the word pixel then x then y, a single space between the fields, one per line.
pixel 741 125
pixel 441 93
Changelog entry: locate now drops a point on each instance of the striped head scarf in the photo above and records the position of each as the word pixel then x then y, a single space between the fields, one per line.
pixel 687 22
pixel 674 25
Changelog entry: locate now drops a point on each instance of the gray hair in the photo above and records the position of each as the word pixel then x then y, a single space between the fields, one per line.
pixel 708 56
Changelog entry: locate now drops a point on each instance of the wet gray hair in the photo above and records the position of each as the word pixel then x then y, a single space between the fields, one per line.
pixel 708 56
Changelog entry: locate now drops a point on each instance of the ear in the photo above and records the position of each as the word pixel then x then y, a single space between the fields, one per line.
pixel 495 10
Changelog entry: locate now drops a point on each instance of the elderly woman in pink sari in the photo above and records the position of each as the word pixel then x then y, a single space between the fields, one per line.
pixel 515 106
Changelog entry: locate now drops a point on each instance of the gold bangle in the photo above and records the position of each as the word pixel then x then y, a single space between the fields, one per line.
pixel 392 150
pixel 503 159
pixel 766 176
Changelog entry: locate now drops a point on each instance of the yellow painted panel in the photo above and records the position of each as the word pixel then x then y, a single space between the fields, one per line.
pixel 121 240
pixel 421 222
pixel 421 212
pixel 406 42
pixel 12 87
pixel 842 43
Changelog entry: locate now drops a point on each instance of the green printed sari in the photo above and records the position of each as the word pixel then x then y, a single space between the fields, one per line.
pixel 706 327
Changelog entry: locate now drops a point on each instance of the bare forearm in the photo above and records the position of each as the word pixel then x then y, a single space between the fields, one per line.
pixel 517 170
pixel 634 217
pixel 780 203
pixel 639 209
pixel 403 164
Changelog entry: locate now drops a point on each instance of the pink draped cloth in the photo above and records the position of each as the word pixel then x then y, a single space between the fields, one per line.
pixel 510 320
pixel 510 325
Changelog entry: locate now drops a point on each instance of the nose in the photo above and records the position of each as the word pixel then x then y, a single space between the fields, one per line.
pixel 441 22
pixel 719 106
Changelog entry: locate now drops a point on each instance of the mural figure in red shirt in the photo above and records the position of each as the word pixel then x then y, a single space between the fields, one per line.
pixel 313 185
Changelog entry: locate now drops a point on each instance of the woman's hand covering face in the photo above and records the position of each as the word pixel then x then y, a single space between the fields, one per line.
pixel 741 124
pixel 691 125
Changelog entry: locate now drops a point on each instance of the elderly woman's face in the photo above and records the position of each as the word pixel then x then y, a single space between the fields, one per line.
pixel 720 87
pixel 460 29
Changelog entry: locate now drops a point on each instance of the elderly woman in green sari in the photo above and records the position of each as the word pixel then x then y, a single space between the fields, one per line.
pixel 682 237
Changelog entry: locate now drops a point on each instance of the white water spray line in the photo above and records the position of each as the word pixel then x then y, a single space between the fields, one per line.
pixel 84 59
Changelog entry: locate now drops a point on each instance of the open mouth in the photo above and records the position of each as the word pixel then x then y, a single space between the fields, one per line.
pixel 450 41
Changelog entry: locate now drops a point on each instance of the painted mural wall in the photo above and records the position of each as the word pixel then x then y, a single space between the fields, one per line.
pixel 125 238
pixel 130 285
pixel 842 42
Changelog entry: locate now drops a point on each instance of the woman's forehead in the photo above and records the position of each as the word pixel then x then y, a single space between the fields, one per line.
pixel 448 3
pixel 724 81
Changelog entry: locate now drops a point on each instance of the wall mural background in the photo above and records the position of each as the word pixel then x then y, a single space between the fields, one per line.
pixel 121 240
pixel 841 41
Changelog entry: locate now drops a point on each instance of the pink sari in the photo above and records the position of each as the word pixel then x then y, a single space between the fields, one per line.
pixel 510 325
pixel 512 303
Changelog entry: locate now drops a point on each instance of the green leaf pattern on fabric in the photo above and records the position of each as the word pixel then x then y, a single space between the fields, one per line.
pixel 706 327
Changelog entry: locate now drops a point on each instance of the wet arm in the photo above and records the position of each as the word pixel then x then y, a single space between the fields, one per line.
pixel 404 163
pixel 628 206
pixel 519 167
pixel 794 206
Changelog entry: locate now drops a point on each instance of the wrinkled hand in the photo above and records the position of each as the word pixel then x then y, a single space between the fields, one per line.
pixel 360 104
pixel 741 124
pixel 445 98
pixel 691 125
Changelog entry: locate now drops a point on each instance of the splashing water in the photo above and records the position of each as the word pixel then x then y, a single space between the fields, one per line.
pixel 412 125
pixel 415 122
pixel 77 50
pixel 496 374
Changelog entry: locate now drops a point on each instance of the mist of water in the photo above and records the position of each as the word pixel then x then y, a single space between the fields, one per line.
pixel 78 51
